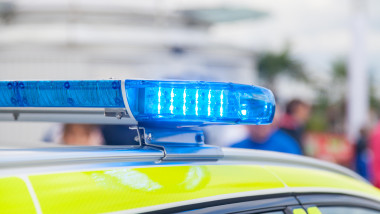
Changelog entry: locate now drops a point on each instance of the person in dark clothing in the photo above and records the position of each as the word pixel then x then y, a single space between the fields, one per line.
pixel 119 135
pixel 270 138
pixel 294 119
pixel 362 155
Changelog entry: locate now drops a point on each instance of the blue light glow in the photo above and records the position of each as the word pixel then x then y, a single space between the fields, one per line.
pixel 221 103
pixel 159 100
pixel 209 103
pixel 184 102
pixel 177 102
pixel 171 101
pixel 199 102
pixel 196 101
pixel 89 93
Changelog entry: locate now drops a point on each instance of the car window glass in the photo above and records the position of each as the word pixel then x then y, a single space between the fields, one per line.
pixel 273 212
pixel 347 210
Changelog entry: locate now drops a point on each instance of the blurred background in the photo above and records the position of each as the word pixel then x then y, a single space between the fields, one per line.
pixel 321 55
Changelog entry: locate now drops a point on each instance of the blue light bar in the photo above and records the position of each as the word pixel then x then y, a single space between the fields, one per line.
pixel 149 102
pixel 187 102
pixel 89 93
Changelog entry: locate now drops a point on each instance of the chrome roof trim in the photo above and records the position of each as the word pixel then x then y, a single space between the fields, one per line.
pixel 10 158
pixel 67 115
pixel 277 158
pixel 69 155
pixel 192 153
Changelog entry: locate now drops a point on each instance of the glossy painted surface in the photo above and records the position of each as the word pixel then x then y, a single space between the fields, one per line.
pixel 14 196
pixel 120 189
pixel 300 177
pixel 124 188
pixel 299 211
pixel 313 210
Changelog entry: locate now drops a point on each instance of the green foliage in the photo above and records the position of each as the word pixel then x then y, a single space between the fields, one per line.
pixel 317 122
pixel 318 118
pixel 374 101
pixel 329 108
pixel 271 65
pixel 339 70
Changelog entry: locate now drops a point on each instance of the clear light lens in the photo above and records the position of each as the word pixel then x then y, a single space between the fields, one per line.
pixel 185 102
pixel 89 93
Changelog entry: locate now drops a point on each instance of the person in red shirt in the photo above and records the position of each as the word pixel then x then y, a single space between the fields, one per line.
pixel 374 141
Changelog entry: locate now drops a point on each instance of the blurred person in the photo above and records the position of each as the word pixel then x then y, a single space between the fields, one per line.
pixel 82 134
pixel 362 154
pixel 270 138
pixel 75 134
pixel 294 120
pixel 374 144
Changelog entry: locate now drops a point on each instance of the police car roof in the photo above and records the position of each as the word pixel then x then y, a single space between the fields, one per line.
pixel 59 156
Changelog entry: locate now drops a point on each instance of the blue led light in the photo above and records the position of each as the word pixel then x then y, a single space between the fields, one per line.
pixel 88 93
pixel 176 102
pixel 199 102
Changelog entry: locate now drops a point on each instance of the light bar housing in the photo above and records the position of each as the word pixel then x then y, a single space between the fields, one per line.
pixel 50 94
pixel 195 102
pixel 148 102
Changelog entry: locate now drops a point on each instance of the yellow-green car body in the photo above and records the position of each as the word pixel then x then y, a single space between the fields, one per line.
pixel 137 180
